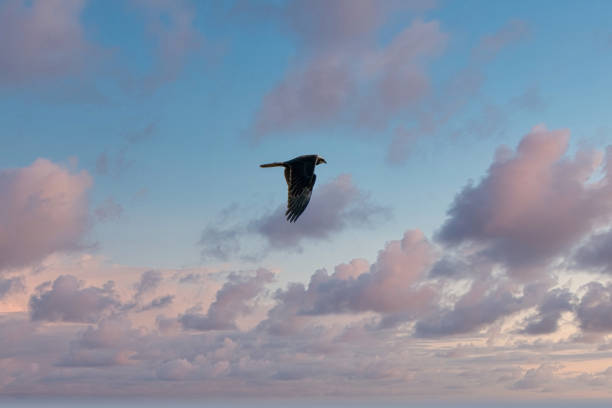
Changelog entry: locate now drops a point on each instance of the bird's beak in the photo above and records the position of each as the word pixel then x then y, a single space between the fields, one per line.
pixel 323 160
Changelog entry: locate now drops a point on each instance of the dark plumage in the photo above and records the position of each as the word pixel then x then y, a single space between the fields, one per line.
pixel 299 173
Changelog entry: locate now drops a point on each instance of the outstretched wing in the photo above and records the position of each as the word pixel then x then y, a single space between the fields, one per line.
pixel 300 180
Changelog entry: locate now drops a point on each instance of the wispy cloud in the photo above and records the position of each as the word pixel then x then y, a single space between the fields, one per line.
pixel 336 206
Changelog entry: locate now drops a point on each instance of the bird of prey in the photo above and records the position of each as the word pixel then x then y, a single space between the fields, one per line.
pixel 300 177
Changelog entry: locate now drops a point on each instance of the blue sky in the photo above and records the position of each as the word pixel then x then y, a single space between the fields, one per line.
pixel 197 159
pixel 143 124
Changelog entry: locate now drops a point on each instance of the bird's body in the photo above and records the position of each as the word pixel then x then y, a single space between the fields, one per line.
pixel 300 177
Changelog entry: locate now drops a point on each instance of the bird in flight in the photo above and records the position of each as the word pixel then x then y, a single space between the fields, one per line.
pixel 300 177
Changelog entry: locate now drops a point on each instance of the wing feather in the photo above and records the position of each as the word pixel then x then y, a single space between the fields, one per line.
pixel 300 181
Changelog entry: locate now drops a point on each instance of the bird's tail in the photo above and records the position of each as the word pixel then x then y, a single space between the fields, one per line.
pixel 277 164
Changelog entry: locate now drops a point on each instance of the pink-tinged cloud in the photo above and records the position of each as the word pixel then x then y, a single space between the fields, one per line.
pixel 399 68
pixel 364 84
pixel 68 301
pixel 392 285
pixel 321 23
pixel 325 24
pixel 44 210
pixel 352 269
pixel 111 343
pixel 232 300
pixel 307 97
pixel 42 39
pixel 174 370
pixel 533 204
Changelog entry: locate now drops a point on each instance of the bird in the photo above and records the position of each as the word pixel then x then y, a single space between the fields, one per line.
pixel 300 177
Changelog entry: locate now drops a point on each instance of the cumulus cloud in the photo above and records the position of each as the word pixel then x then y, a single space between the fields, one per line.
pixel 108 333
pixel 232 300
pixel 365 326
pixel 44 211
pixel 392 285
pixel 532 205
pixel 111 343
pixel 596 253
pixel 594 311
pixel 174 370
pixel 546 321
pixel 67 300
pixel 536 377
pixel 483 304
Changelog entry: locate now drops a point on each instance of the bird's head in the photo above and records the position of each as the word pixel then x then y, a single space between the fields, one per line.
pixel 320 160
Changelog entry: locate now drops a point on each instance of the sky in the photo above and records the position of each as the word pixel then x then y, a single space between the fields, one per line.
pixel 457 243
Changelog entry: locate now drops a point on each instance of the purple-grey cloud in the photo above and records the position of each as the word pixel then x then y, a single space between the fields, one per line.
pixel 68 301
pixel 594 311
pixel 11 285
pixel 335 206
pixel 483 304
pixel 158 303
pixel 535 378
pixel 111 342
pixel 596 253
pixel 546 320
pixel 393 284
pixel 532 205
pixel 232 300
pixel 149 281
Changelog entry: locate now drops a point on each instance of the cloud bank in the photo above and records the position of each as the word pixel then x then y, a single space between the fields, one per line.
pixel 517 272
